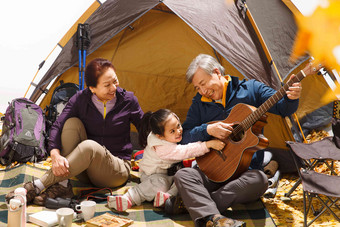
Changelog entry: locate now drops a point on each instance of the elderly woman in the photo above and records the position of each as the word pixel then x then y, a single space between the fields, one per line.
pixel 91 137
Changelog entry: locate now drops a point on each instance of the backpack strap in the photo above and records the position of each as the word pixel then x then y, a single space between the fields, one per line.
pixel 3 146
pixel 34 157
pixel 38 153
pixel 29 108
pixel 7 129
pixel 6 161
pixel 10 155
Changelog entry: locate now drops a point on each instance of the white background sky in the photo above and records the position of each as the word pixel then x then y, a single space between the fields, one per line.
pixel 29 32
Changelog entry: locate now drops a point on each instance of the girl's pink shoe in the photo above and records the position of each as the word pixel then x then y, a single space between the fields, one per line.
pixel 160 199
pixel 119 202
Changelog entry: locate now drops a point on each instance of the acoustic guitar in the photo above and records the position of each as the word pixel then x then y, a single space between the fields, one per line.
pixel 246 137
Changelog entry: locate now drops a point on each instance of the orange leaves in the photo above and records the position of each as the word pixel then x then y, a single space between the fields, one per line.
pixel 319 34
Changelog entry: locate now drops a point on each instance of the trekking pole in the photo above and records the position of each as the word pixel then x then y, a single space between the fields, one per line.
pixel 83 72
pixel 86 45
pixel 79 45
pixel 79 66
pixel 83 43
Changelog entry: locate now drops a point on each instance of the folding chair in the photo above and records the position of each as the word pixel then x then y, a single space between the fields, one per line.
pixel 331 78
pixel 322 187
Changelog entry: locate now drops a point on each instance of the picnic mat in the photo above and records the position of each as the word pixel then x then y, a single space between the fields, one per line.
pixel 254 214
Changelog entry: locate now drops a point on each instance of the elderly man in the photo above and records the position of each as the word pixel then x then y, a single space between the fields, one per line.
pixel 217 94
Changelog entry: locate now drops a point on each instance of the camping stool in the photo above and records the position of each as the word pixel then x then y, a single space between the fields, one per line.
pixel 321 186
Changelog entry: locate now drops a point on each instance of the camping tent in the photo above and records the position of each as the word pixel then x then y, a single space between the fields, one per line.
pixel 151 43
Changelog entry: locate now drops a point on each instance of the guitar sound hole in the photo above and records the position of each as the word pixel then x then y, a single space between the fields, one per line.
pixel 237 133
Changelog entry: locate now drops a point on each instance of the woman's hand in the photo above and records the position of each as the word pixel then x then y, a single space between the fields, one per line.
pixel 294 91
pixel 60 164
pixel 215 144
pixel 219 130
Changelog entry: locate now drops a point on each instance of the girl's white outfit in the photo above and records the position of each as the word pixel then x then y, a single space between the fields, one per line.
pixel 158 156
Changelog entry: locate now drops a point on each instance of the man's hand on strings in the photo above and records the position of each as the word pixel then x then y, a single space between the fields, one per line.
pixel 220 130
pixel 294 91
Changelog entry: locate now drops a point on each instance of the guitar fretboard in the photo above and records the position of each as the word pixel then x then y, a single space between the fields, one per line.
pixel 258 113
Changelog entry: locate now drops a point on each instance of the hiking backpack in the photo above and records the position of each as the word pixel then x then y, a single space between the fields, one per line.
pixel 23 133
pixel 60 97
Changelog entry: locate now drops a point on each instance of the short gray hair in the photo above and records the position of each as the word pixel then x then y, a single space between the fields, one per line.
pixel 205 62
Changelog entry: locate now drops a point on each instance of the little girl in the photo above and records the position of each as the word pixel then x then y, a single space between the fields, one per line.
pixel 159 133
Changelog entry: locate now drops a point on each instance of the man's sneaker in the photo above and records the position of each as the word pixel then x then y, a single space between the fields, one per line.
pixel 174 205
pixel 160 199
pixel 30 195
pixel 119 202
pixel 54 191
pixel 220 220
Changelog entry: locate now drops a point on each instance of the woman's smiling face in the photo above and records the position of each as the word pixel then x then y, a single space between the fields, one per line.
pixel 106 86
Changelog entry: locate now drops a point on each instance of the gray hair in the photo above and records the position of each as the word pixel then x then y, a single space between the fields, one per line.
pixel 205 62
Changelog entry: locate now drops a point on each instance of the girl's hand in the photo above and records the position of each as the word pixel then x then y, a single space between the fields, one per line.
pixel 215 144
pixel 60 164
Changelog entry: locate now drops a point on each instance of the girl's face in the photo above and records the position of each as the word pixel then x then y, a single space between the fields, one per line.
pixel 172 130
pixel 106 86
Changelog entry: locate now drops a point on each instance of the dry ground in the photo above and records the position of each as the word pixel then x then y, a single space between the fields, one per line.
pixel 290 212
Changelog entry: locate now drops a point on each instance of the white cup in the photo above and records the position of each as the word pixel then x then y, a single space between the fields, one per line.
pixel 87 208
pixel 65 216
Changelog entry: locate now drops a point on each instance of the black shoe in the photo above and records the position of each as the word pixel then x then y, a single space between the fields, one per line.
pixel 175 205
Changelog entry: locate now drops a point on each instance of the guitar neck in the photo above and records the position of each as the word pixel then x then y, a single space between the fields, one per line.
pixel 257 114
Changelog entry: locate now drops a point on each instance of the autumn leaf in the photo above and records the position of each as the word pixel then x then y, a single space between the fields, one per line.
pixel 319 34
pixel 331 95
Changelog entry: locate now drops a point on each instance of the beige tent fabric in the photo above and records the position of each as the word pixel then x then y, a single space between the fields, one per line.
pixel 313 88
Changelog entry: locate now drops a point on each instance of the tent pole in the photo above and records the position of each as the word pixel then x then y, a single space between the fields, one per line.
pixel 83 71
pixel 79 68
pixel 40 66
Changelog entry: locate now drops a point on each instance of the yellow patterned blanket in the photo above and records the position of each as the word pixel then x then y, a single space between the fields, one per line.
pixel 254 214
